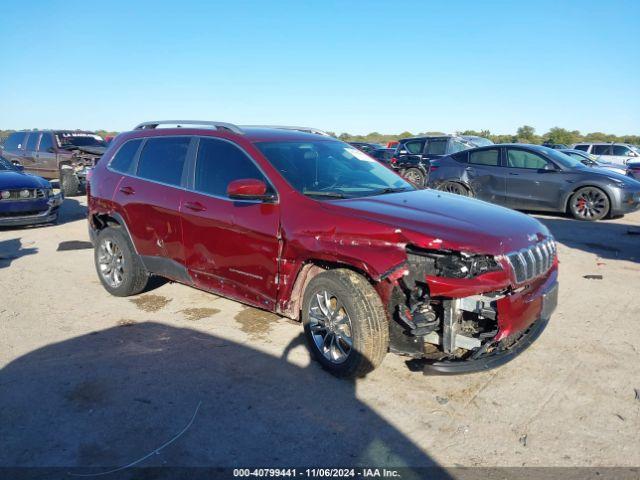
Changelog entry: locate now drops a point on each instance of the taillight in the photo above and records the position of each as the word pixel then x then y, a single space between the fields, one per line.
pixel 393 161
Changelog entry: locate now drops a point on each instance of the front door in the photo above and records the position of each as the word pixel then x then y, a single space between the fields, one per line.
pixel 533 181
pixel 231 246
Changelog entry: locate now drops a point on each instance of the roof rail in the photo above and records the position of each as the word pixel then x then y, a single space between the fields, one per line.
pixel 179 123
pixel 316 131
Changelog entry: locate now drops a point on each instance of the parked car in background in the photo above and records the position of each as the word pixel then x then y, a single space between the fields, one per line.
pixel 533 177
pixel 56 154
pixel 314 229
pixel 633 169
pixel 619 153
pixel 25 199
pixel 384 155
pixel 365 147
pixel 413 155
pixel 555 146
pixel 592 161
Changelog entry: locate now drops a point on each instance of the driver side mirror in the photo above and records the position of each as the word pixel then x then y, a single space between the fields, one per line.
pixel 549 167
pixel 248 189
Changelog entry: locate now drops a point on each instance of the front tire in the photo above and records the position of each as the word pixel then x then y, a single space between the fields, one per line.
pixel 119 268
pixel 69 184
pixel 345 323
pixel 415 176
pixel 589 204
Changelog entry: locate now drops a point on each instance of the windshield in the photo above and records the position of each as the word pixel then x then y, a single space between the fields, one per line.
pixel 6 165
pixel 80 140
pixel 562 158
pixel 331 169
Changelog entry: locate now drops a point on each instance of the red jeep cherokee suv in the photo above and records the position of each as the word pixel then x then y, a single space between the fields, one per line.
pixel 298 223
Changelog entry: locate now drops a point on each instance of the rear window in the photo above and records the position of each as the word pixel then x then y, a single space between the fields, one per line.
pixel 162 159
pixel 489 157
pixel 122 161
pixel 15 141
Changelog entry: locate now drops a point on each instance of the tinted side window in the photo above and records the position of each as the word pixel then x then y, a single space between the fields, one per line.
pixel 219 163
pixel 460 157
pixel 32 141
pixel 584 148
pixel 489 157
pixel 437 147
pixel 621 150
pixel 122 161
pixel 45 142
pixel 414 147
pixel 15 141
pixel 163 159
pixel 525 159
pixel 601 149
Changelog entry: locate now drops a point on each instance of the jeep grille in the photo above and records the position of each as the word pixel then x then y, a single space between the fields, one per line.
pixel 533 261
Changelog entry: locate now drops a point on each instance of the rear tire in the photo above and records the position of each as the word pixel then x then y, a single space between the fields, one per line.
pixel 454 187
pixel 415 176
pixel 589 204
pixel 119 268
pixel 345 323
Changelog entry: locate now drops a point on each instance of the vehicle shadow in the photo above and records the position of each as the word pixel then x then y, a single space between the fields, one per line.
pixel 605 239
pixel 71 210
pixel 109 398
pixel 11 250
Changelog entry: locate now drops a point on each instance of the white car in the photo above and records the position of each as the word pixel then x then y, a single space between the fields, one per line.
pixel 619 153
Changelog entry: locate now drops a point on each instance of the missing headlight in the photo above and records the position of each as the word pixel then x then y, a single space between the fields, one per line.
pixel 451 264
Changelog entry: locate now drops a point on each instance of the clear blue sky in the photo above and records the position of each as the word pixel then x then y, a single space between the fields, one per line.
pixel 354 66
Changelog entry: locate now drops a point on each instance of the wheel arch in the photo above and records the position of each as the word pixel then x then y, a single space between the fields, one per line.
pixel 604 189
pixel 100 221
pixel 311 267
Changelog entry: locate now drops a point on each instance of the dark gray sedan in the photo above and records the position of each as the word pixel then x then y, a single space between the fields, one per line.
pixel 533 177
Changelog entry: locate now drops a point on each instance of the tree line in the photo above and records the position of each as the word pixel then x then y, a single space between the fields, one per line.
pixel 524 134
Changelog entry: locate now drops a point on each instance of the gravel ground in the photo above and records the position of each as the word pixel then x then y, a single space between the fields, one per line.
pixel 87 379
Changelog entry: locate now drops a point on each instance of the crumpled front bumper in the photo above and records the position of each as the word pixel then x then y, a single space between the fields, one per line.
pixel 44 216
pixel 542 301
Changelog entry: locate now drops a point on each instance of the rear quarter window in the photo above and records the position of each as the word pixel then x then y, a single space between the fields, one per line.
pixel 460 157
pixel 122 161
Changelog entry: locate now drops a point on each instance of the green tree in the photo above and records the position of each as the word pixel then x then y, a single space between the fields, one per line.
pixel 527 134
pixel 561 135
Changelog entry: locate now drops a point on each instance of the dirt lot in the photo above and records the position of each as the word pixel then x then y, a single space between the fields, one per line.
pixel 89 379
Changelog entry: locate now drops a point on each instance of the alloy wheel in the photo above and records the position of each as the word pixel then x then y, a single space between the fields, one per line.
pixel 590 203
pixel 330 327
pixel 452 187
pixel 111 263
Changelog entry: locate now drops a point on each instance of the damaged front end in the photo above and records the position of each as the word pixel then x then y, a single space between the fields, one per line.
pixel 458 312
pixel 83 159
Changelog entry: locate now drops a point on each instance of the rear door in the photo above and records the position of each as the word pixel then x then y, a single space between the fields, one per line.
pixel 231 245
pixel 149 199
pixel 486 176
pixel 603 152
pixel 529 185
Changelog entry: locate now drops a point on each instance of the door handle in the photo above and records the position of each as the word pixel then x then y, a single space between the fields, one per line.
pixel 469 169
pixel 511 173
pixel 195 206
pixel 127 190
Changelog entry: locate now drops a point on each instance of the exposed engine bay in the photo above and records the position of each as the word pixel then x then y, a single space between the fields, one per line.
pixel 443 328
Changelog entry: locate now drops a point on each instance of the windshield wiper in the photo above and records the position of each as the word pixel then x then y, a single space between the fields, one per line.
pixel 322 193
pixel 390 190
